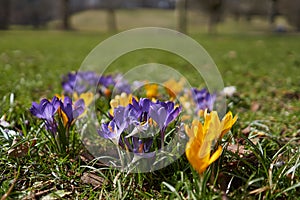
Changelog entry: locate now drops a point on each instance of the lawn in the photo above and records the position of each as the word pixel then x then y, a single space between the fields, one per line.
pixel 261 154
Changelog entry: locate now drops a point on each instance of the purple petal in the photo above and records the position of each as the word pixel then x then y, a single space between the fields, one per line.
pixel 78 108
pixel 158 114
pixel 145 104
pixel 48 112
pixel 172 116
pixel 35 110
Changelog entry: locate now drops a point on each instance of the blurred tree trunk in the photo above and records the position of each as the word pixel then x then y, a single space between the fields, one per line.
pixel 291 10
pixel 4 14
pixel 66 15
pixel 273 11
pixel 111 19
pixel 181 8
pixel 215 10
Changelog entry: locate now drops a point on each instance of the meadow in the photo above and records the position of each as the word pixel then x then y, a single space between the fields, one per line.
pixel 261 162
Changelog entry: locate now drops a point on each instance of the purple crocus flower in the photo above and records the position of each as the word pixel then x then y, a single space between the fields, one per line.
pixel 141 147
pixel 106 81
pixel 121 85
pixel 72 112
pixel 163 113
pixel 88 79
pixel 134 120
pixel 203 99
pixel 46 110
pixel 114 128
pixel 83 81
pixel 139 110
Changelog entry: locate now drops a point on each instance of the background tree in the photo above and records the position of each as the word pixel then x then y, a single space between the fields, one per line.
pixel 214 8
pixel 4 14
pixel 290 9
pixel 273 11
pixel 111 6
pixel 181 9
pixel 65 8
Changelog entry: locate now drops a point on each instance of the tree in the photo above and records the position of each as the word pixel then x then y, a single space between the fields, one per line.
pixel 291 9
pixel 273 11
pixel 65 14
pixel 4 14
pixel 214 8
pixel 111 19
pixel 111 6
pixel 181 8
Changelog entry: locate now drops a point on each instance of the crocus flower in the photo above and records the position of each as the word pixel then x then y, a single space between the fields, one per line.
pixel 151 90
pixel 163 113
pixel 46 110
pixel 69 111
pixel 202 138
pixel 120 100
pixel 141 148
pixel 114 128
pixel 203 99
pixel 87 97
pixel 121 85
pixel 174 87
pixel 131 118
pixel 139 110
pixel 83 81
pixel 106 81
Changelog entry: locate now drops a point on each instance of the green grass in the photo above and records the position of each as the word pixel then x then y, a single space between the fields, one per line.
pixel 264 68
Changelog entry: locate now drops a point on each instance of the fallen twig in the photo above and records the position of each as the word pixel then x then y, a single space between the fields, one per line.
pixel 16 175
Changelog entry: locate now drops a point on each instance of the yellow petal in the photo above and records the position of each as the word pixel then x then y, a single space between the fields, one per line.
pixel 87 98
pixel 75 96
pixel 227 123
pixel 201 113
pixel 114 103
pixel 151 90
pixel 215 155
pixel 63 116
pixel 214 128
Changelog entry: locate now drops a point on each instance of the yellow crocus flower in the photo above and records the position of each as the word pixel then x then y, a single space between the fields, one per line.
pixel 151 90
pixel 87 98
pixel 120 100
pixel 202 138
pixel 174 87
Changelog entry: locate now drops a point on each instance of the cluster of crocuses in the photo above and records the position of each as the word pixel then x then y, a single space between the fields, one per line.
pixel 132 122
pixel 64 107
pixel 58 115
pixel 80 82
pixel 139 117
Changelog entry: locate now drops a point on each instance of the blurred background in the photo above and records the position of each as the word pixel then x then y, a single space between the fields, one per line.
pixel 184 15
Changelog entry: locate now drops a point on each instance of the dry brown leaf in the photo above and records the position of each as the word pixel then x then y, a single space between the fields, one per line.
pixel 246 130
pixel 239 149
pixel 91 178
pixel 19 150
pixel 255 106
